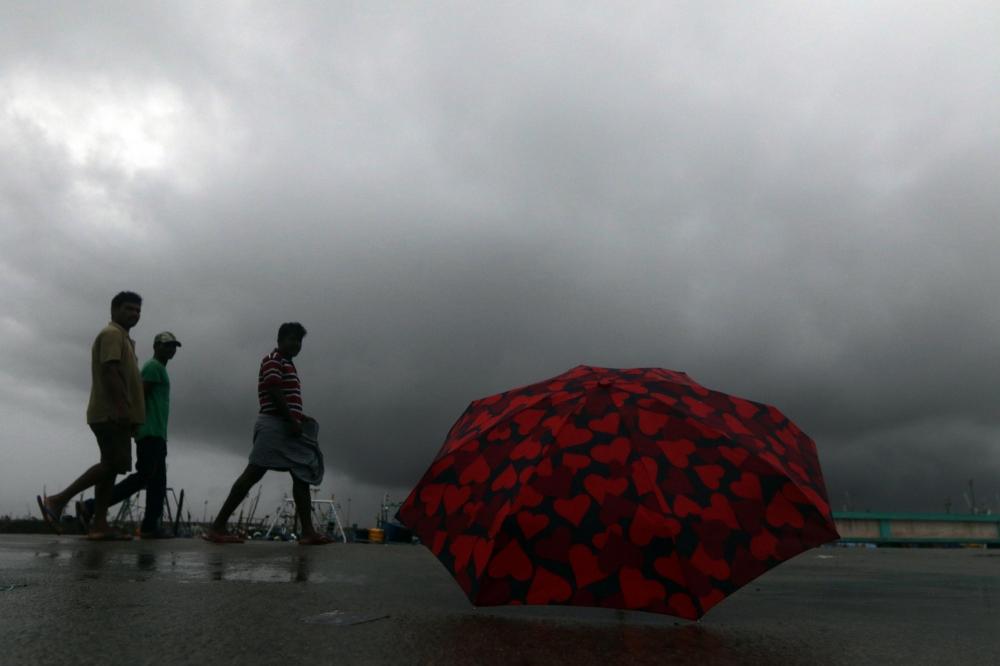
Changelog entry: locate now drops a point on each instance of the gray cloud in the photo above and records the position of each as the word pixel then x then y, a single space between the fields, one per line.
pixel 792 205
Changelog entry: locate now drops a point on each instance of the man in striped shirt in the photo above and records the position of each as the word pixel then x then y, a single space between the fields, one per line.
pixel 284 439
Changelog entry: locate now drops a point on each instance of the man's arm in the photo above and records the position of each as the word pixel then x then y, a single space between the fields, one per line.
pixel 112 375
pixel 278 400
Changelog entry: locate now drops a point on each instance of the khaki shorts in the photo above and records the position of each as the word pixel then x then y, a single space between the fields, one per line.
pixel 115 442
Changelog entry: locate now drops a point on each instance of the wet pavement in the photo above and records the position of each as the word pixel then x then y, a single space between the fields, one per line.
pixel 67 601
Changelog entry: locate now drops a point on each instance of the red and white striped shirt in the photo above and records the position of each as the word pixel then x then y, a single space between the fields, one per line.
pixel 276 370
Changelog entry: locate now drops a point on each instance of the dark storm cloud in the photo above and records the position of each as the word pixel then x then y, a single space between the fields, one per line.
pixel 795 206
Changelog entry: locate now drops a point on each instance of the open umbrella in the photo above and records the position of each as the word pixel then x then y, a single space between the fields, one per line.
pixel 635 489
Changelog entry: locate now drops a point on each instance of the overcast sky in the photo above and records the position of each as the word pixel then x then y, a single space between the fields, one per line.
pixel 796 203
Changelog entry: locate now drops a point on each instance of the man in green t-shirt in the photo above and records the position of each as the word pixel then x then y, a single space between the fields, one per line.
pixel 150 443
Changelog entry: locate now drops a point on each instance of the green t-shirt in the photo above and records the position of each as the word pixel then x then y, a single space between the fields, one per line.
pixel 157 400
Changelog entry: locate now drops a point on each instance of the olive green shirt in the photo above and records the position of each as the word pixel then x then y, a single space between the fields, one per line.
pixel 114 344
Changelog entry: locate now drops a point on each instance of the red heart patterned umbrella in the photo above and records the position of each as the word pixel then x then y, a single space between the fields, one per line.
pixel 634 489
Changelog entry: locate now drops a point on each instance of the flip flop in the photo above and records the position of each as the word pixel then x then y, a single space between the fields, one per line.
pixel 318 540
pixel 212 537
pixel 50 516
pixel 108 536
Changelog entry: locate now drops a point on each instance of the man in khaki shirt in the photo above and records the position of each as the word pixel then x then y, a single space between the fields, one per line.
pixel 115 410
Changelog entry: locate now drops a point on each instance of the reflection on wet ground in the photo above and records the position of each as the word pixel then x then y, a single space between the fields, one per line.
pixel 96 561
pixel 195 602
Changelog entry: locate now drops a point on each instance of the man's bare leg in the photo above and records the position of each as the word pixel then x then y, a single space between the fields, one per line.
pixel 97 474
pixel 102 498
pixel 241 488
pixel 303 507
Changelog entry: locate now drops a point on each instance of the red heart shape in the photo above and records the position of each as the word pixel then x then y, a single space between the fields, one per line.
pixel 499 434
pixel 677 451
pixel 762 545
pixel 748 487
pixel 455 497
pixel 697 407
pixel 522 399
pixel 570 435
pixel 528 420
pixel 717 569
pixel 573 509
pixel 720 509
pixel 684 507
pixel 528 496
pixel 476 472
pixel 669 567
pixel 547 587
pixel 781 512
pixel 511 561
pixel 601 540
pixel 584 564
pixel 744 408
pixel 651 422
pixel 710 475
pixel 617 450
pixel 472 508
pixel 575 461
pixel 430 495
pixel 532 523
pixel 529 448
pixel 598 486
pixel 461 549
pixel 620 398
pixel 647 524
pixel 682 606
pixel 637 590
pixel 506 480
pixel 786 436
pixel 733 455
pixel 735 425
pixel 608 424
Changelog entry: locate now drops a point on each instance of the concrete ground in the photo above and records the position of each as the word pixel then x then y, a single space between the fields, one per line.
pixel 66 601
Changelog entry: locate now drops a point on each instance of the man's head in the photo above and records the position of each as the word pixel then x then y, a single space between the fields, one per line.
pixel 165 346
pixel 290 336
pixel 126 307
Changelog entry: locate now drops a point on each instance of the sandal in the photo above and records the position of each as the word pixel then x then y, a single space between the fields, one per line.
pixel 50 516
